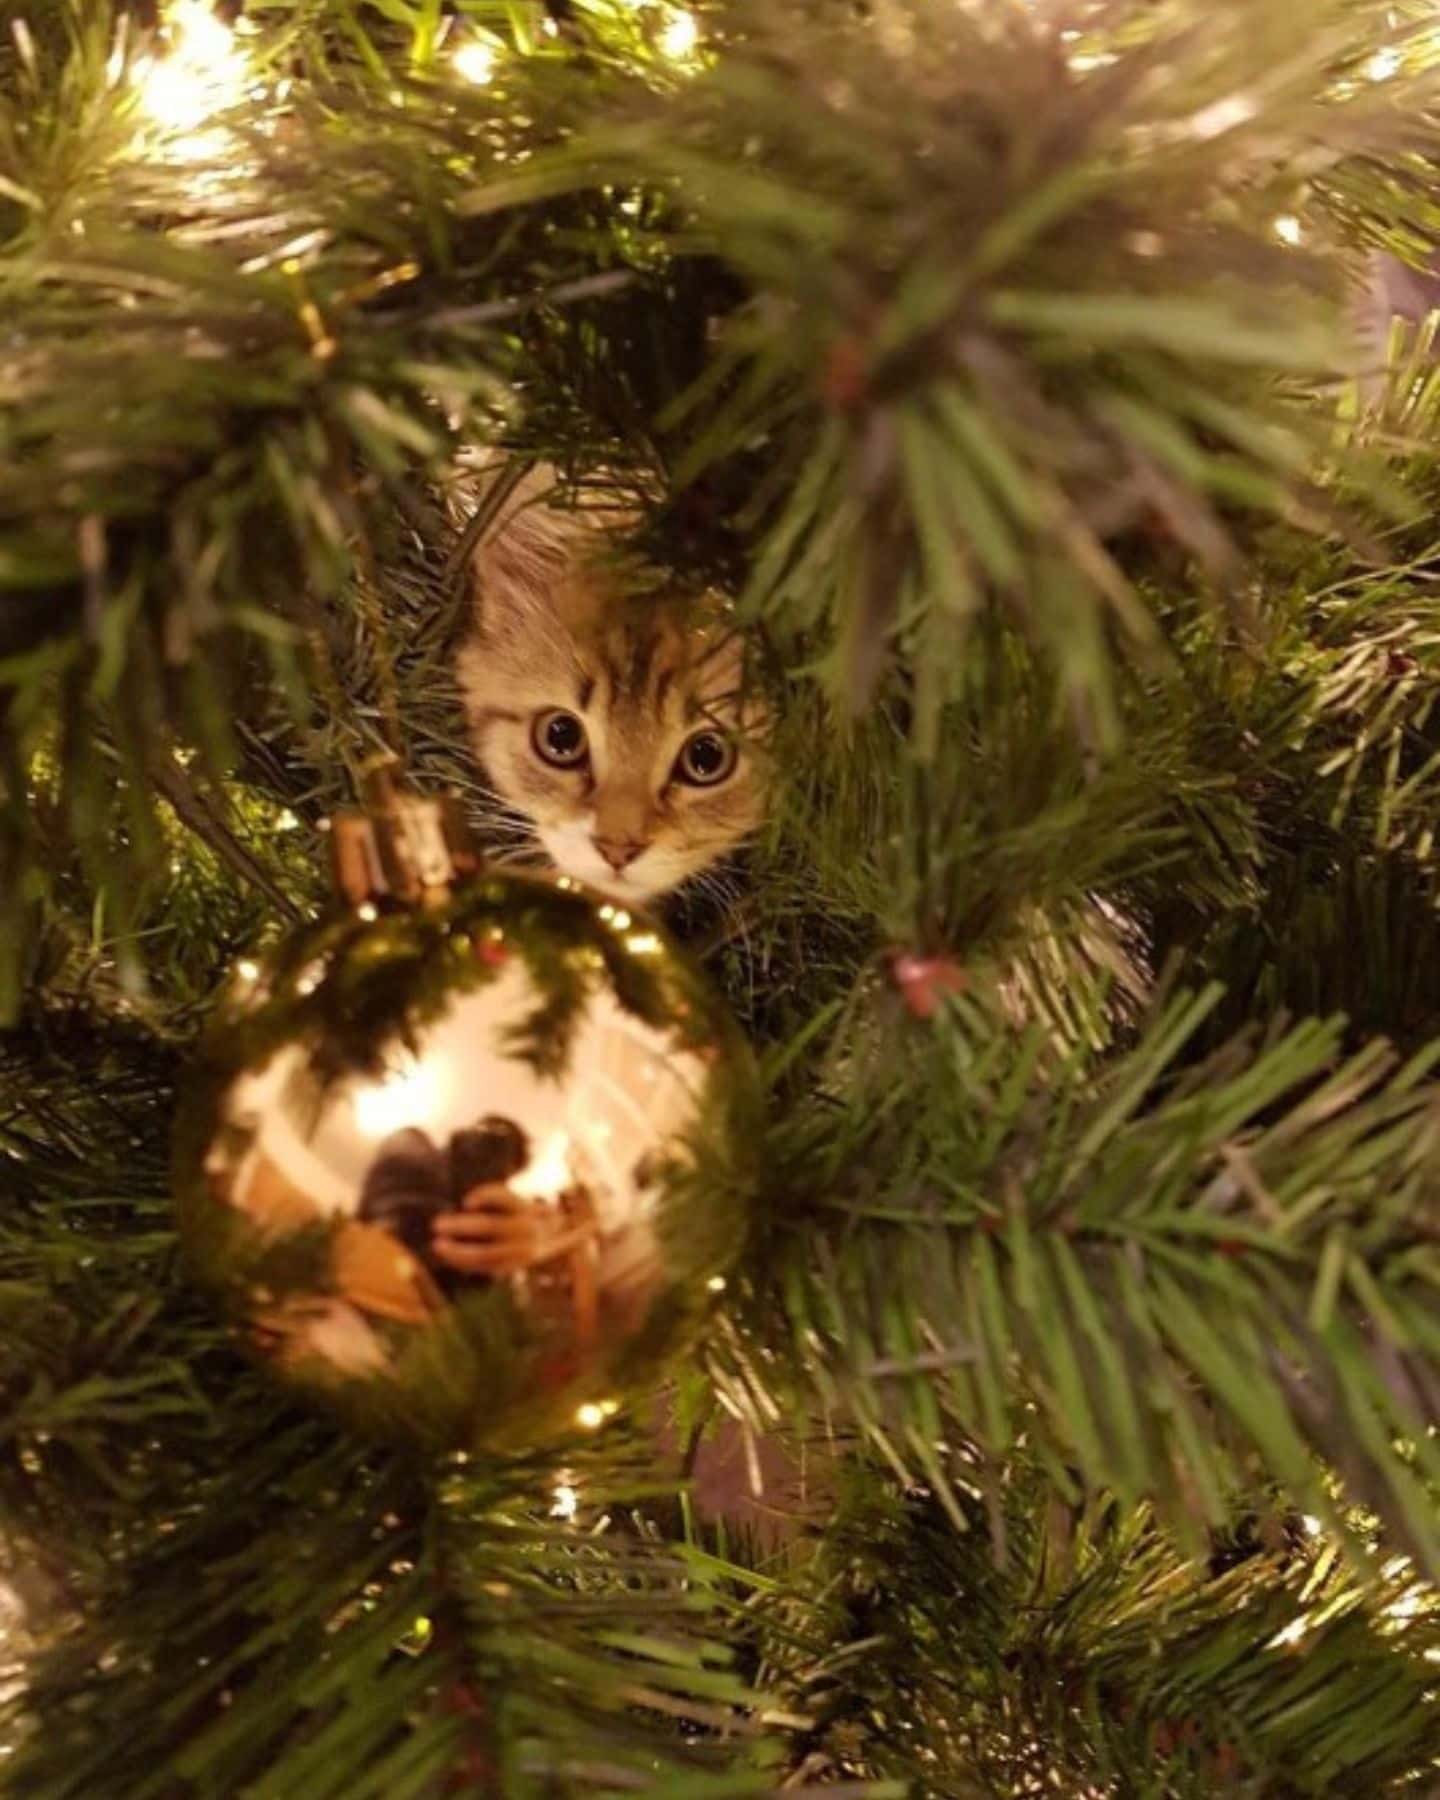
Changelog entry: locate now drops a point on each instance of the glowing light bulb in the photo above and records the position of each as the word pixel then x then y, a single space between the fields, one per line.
pixel 1382 65
pixel 1287 229
pixel 566 1502
pixel 247 969
pixel 716 1284
pixel 680 35
pixel 203 73
pixel 473 61
pixel 407 1095
pixel 310 976
pixel 593 1414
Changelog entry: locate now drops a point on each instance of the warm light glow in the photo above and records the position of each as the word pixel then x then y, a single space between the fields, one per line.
pixel 549 1173
pixel 644 943
pixel 680 35
pixel 473 61
pixel 1382 65
pixel 566 1502
pixel 247 969
pixel 593 1414
pixel 406 1096
pixel 310 976
pixel 203 72
pixel 716 1284
pixel 1287 229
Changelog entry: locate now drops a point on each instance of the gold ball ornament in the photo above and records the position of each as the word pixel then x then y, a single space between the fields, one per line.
pixel 439 1156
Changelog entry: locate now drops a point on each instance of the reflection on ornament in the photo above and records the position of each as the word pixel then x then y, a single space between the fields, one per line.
pixel 411 1093
pixel 437 1186
pixel 548 1174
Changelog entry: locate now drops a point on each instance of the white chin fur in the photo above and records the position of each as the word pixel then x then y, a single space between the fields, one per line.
pixel 574 855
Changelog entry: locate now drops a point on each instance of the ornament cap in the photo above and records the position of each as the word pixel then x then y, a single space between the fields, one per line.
pixel 399 845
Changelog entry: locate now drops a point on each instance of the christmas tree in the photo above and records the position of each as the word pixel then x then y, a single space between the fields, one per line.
pixel 1048 388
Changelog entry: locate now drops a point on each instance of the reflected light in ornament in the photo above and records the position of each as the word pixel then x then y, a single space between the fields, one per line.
pixel 203 73
pixel 548 1174
pixel 408 1095
pixel 473 61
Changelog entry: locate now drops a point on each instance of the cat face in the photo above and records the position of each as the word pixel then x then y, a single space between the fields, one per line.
pixel 616 727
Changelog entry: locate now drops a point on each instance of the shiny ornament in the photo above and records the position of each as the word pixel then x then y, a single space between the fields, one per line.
pixel 439 1158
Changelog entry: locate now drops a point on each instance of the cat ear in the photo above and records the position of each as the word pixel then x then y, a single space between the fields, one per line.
pixel 523 553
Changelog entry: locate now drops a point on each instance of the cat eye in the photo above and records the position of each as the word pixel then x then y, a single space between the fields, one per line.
pixel 559 738
pixel 706 758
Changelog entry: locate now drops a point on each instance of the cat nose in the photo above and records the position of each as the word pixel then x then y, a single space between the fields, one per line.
pixel 618 852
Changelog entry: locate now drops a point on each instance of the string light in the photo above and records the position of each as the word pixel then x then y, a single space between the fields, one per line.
pixel 473 61
pixel 565 1503
pixel 679 35
pixel 203 72
pixel 593 1414
pixel 1288 229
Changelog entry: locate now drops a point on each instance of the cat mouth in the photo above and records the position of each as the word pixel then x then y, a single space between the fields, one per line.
pixel 633 883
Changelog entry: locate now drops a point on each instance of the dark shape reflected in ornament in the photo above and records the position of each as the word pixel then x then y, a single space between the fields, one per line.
pixel 435 1160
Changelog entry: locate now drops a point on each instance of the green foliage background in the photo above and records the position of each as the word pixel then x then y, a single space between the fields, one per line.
pixel 1089 566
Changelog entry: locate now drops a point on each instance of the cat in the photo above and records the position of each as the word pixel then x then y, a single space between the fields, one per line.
pixel 617 725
